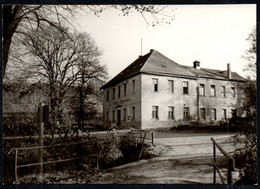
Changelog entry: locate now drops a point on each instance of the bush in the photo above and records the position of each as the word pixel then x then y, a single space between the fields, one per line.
pixel 247 154
pixel 112 150
pixel 19 124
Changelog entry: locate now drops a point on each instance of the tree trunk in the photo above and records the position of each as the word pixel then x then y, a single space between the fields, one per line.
pixel 10 22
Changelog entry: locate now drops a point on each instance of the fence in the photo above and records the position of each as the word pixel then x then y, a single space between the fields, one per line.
pixel 141 134
pixel 230 164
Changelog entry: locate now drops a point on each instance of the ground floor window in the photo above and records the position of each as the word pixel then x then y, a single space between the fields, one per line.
pixel 170 112
pixel 224 114
pixel 114 115
pixel 133 113
pixel 155 112
pixel 234 112
pixel 213 114
pixel 203 113
pixel 124 114
pixel 107 116
pixel 186 113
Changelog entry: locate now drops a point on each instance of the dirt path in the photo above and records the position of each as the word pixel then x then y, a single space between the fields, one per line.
pixel 187 161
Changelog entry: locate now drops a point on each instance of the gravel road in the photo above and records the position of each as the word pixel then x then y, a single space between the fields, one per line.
pixel 187 161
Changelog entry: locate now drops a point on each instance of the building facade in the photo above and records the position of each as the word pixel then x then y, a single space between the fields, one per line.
pixel 154 91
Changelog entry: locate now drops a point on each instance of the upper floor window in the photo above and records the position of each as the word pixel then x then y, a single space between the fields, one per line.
pixel 108 95
pixel 185 87
pixel 170 112
pixel 133 86
pixel 186 113
pixel 119 91
pixel 124 89
pixel 233 92
pixel 223 91
pixel 171 86
pixel 203 113
pixel 155 84
pixel 213 114
pixel 114 93
pixel 212 90
pixel 155 112
pixel 202 89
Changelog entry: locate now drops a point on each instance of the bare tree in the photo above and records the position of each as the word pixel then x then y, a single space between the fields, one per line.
pixel 21 18
pixel 91 73
pixel 250 55
pixel 56 59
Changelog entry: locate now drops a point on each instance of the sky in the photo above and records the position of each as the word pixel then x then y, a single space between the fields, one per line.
pixel 212 34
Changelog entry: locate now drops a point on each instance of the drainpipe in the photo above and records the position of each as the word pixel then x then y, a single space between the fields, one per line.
pixel 198 110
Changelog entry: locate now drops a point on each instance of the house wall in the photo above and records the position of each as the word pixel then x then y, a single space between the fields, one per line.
pixel 125 101
pixel 164 98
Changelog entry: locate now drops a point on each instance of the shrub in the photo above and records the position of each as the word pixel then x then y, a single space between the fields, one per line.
pixel 247 154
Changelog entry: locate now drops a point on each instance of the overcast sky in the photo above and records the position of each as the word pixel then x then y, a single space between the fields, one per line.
pixel 213 34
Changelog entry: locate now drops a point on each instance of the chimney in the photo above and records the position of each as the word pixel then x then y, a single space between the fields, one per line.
pixel 228 71
pixel 196 64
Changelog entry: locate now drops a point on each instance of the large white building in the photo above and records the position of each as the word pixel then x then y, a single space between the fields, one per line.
pixel 154 91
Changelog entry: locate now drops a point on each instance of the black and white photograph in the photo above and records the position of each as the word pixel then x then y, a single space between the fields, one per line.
pixel 129 94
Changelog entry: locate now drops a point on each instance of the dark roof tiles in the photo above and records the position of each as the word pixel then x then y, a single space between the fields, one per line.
pixel 158 64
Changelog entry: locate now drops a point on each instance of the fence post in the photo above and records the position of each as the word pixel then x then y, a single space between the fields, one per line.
pixel 229 173
pixel 15 166
pixel 41 125
pixel 214 159
pixel 152 137
pixel 142 146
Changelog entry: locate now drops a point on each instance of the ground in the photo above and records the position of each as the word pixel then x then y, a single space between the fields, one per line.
pixel 186 161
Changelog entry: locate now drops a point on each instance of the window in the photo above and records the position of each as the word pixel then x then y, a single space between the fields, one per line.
pixel 124 89
pixel 133 85
pixel 186 113
pixel 223 91
pixel 124 114
pixel 185 87
pixel 203 113
pixel 155 112
pixel 107 95
pixel 224 114
pixel 119 91
pixel 202 89
pixel 114 115
pixel 213 114
pixel 171 86
pixel 233 92
pixel 170 112
pixel 234 113
pixel 107 114
pixel 155 84
pixel 114 93
pixel 133 113
pixel 212 90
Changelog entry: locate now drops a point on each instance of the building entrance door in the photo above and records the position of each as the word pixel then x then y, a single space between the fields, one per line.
pixel 118 117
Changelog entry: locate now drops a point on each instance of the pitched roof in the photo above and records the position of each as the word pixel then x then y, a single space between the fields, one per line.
pixel 158 64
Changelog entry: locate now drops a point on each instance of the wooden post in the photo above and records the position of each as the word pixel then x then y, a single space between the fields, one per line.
pixel 229 171
pixel 41 125
pixel 214 159
pixel 142 146
pixel 152 138
pixel 15 166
